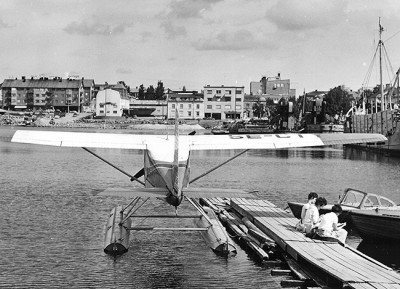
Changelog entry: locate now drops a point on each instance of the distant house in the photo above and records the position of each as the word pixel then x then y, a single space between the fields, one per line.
pixel 189 103
pixel 249 102
pixel 109 103
pixel 273 88
pixel 145 108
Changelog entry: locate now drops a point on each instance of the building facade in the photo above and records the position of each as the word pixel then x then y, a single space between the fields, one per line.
pixel 143 108
pixel 110 103
pixel 273 88
pixel 58 93
pixel 190 104
pixel 223 102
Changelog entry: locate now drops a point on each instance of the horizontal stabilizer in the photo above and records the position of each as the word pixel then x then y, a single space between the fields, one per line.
pixel 216 193
pixel 135 192
pixel 189 192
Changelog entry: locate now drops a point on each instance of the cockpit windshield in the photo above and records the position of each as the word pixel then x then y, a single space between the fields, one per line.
pixel 353 198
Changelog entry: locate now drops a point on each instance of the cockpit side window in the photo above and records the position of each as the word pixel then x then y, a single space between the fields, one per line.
pixel 371 201
pixel 386 203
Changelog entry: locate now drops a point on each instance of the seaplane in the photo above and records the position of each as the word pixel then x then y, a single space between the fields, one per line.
pixel 166 172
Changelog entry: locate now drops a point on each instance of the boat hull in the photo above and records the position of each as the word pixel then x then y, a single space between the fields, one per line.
pixel 378 224
pixel 386 123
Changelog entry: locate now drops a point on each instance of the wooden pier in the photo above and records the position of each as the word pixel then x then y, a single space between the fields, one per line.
pixel 327 263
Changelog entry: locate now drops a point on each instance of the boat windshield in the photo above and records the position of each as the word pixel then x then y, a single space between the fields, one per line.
pixel 352 199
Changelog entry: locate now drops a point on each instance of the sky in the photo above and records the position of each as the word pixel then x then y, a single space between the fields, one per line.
pixel 317 44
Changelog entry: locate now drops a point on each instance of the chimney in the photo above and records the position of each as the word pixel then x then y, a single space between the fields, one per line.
pixel 23 78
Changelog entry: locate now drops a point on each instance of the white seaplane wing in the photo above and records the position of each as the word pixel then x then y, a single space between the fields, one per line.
pixel 194 142
pixel 277 141
pixel 83 139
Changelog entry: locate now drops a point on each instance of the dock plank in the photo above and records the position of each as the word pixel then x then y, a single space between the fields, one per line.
pixel 337 261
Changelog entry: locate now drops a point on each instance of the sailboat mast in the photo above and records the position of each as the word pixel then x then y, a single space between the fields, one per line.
pixel 383 107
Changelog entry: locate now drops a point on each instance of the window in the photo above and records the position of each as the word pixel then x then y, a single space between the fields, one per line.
pixel 228 92
pixel 209 106
pixel 190 105
pixel 371 201
pixel 218 91
pixel 101 111
pixel 115 106
pixel 209 99
pixel 173 105
pixel 238 99
pixel 189 113
pixel 101 105
pixel 238 92
pixel 227 107
pixel 115 112
pixel 197 106
pixel 227 98
pixel 218 107
pixel 209 91
pixel 181 106
pixel 238 107
pixel 197 113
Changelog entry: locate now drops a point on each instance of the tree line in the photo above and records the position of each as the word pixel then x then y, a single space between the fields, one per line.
pixel 151 93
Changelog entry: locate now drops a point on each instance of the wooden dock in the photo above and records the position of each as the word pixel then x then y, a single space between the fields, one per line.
pixel 328 263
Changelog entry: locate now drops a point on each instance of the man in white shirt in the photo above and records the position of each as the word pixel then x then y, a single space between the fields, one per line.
pixel 312 197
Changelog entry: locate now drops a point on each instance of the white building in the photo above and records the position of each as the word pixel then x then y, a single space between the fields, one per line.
pixel 110 103
pixel 223 102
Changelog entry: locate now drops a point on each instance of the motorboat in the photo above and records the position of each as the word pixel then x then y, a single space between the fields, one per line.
pixel 352 200
pixel 377 224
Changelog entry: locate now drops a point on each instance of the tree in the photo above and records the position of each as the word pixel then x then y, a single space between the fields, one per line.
pixel 141 93
pixel 258 109
pixel 337 101
pixel 150 93
pixel 160 90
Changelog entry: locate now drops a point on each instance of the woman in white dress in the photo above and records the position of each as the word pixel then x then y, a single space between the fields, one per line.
pixel 330 227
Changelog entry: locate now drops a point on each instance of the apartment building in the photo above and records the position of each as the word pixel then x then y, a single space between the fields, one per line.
pixel 40 93
pixel 189 103
pixel 273 88
pixel 223 102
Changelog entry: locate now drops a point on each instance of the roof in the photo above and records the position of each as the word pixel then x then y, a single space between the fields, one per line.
pixel 44 83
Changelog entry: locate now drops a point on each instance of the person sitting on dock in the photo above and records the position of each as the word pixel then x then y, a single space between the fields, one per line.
pixel 311 219
pixel 329 226
pixel 312 197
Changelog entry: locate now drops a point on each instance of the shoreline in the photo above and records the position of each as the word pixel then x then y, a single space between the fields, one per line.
pixel 83 121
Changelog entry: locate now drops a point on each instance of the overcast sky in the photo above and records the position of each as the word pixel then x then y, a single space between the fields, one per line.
pixel 317 44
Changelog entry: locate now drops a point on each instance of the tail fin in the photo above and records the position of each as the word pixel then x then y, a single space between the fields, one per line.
pixel 175 168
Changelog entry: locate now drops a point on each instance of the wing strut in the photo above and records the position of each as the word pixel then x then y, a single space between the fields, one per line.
pixel 220 165
pixel 133 178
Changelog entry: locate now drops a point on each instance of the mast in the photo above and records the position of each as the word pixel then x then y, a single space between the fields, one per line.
pixel 383 107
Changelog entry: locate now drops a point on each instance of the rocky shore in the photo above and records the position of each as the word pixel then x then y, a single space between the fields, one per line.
pixel 85 121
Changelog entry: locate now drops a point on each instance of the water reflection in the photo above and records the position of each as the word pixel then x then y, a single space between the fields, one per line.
pixel 385 252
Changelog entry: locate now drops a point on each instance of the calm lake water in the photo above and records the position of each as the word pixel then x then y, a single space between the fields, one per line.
pixel 52 222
